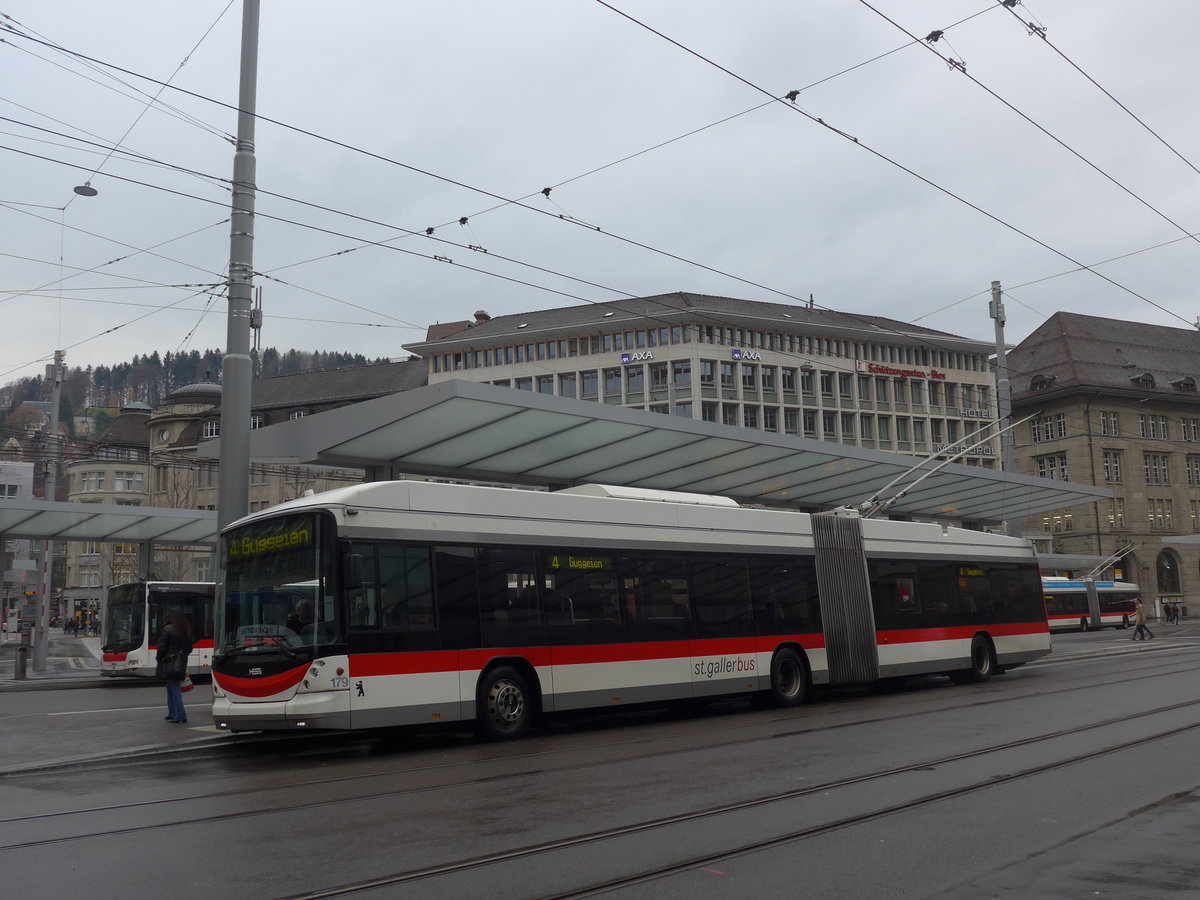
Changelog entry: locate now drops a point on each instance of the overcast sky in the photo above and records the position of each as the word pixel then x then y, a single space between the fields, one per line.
pixel 440 108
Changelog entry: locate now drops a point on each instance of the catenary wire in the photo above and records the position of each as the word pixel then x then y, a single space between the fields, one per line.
pixel 879 155
pixel 1040 31
pixel 773 99
pixel 636 243
pixel 991 93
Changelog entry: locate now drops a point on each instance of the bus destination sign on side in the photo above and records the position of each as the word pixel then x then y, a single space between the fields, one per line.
pixel 582 563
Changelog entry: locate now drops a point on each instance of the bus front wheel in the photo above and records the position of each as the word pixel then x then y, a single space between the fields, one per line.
pixel 503 707
pixel 789 680
pixel 983 663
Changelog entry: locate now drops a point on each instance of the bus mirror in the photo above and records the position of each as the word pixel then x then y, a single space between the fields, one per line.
pixel 352 571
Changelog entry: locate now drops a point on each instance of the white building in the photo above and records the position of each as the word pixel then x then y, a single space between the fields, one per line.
pixel 853 379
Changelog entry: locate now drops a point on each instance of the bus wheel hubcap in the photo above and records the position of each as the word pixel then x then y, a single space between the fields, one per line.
pixel 507 702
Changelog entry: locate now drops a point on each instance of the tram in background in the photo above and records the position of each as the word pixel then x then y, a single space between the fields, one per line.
pixel 397 603
pixel 1067 603
pixel 135 615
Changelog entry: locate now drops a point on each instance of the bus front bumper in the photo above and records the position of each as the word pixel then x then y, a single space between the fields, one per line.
pixel 326 710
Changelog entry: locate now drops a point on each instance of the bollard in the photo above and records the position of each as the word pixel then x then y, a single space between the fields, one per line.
pixel 21 662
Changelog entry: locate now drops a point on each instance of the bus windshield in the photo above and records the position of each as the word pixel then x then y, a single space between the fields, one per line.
pixel 276 590
pixel 125 621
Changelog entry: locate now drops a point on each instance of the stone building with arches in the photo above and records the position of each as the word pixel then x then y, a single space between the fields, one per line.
pixel 1115 405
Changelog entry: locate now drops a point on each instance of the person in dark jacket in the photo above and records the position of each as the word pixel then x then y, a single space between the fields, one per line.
pixel 1140 631
pixel 174 645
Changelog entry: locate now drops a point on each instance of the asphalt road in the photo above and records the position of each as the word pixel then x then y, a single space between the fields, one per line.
pixel 1071 777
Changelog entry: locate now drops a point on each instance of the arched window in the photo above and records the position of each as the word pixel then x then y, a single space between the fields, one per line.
pixel 1167 570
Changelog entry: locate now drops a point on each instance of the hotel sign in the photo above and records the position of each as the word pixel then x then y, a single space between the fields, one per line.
pixel 951 449
pixel 976 414
pixel 878 369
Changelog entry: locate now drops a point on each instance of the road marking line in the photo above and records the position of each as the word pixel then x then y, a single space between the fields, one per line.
pixel 87 712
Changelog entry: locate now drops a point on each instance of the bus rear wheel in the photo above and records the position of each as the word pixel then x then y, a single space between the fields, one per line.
pixel 983 663
pixel 789 679
pixel 503 707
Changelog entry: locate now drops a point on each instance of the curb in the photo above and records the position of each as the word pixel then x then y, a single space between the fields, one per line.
pixel 43 683
pixel 220 742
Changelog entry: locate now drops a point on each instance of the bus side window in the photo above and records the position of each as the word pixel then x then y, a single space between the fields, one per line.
pixel 457 597
pixel 937 591
pixel 785 596
pixel 364 601
pixel 508 596
pixel 405 588
pixel 895 597
pixel 721 596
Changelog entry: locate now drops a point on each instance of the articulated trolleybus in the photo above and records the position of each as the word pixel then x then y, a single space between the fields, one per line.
pixel 135 616
pixel 398 603
pixel 1067 603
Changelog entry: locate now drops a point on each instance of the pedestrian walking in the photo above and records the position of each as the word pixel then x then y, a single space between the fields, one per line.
pixel 1140 631
pixel 174 645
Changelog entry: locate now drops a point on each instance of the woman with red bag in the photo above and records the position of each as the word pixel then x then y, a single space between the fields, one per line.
pixel 174 645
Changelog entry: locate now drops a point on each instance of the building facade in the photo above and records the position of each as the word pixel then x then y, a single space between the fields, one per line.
pixel 1116 406
pixel 21 560
pixel 115 470
pixel 861 380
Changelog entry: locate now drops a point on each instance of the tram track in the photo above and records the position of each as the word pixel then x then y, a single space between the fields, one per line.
pixel 373 777
pixel 376 795
pixel 524 854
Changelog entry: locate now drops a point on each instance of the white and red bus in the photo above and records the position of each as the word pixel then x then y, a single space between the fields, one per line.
pixel 1067 603
pixel 397 603
pixel 136 614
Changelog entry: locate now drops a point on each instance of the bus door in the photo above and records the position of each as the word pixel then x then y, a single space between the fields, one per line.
pixel 845 591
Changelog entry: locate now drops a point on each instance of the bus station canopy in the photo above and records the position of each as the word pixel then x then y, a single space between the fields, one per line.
pixel 39 520
pixel 477 432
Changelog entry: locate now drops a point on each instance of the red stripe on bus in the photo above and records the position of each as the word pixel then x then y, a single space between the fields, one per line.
pixel 265 686
pixel 426 661
pixel 416 662
pixel 366 664
pixel 960 632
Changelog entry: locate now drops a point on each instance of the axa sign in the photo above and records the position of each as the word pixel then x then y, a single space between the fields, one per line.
pixel 638 356
pixel 746 354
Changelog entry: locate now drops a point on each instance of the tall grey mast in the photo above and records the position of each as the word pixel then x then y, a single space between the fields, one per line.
pixel 1008 456
pixel 236 372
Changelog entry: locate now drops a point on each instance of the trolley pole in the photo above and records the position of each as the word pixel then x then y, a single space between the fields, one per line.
pixel 234 463
pixel 1008 455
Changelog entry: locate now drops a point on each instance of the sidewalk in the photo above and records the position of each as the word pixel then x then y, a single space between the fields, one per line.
pixel 70 662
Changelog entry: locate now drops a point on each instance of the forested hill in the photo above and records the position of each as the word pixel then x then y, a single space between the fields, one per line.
pixel 150 378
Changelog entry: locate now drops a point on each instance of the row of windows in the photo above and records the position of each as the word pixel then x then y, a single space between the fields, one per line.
pixel 752 379
pixel 418 597
pixel 1153 427
pixel 648 338
pixel 1156 467
pixel 903 432
pixel 1160 516
pixel 212 427
pixel 98 480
